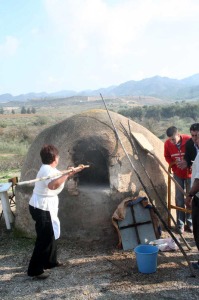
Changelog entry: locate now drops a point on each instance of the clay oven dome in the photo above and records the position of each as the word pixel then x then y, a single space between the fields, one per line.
pixel 87 203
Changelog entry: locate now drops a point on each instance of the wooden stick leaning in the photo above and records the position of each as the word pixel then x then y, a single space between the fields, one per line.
pixel 145 189
pixel 144 144
pixel 129 136
pixel 77 169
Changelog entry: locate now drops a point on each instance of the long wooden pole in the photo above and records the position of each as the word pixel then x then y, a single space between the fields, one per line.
pixel 144 144
pixel 168 173
pixel 77 169
pixel 151 201
pixel 147 174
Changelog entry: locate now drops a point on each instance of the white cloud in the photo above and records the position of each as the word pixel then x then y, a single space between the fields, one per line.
pixel 80 44
pixel 166 72
pixel 50 83
pixel 55 81
pixel 111 29
pixel 176 9
pixel 9 47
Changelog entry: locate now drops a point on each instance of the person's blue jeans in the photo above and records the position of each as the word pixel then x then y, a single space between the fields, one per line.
pixel 182 217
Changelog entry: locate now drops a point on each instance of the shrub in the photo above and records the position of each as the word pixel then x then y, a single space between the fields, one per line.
pixel 41 120
pixel 2 125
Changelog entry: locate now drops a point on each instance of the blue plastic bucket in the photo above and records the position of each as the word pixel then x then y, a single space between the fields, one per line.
pixel 146 257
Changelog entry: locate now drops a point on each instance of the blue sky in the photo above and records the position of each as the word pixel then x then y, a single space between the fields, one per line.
pixel 53 45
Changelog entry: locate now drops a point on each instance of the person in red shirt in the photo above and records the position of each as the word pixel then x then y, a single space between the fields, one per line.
pixel 174 151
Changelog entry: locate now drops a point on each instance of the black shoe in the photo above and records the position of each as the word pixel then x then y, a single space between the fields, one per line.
pixel 42 276
pixel 57 265
pixel 189 229
pixel 195 265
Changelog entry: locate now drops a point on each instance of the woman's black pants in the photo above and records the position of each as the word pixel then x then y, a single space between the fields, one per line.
pixel 45 252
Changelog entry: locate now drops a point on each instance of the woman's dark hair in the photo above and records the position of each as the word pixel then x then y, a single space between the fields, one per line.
pixel 48 154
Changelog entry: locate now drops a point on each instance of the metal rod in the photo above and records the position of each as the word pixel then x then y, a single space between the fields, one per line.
pixel 135 224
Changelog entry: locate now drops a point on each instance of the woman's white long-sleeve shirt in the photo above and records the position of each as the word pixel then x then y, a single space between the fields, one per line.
pixel 46 199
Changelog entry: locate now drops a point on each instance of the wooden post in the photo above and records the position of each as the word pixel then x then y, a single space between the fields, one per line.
pixel 170 206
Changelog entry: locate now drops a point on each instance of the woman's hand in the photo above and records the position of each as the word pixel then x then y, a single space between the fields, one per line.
pixel 71 171
pixel 76 169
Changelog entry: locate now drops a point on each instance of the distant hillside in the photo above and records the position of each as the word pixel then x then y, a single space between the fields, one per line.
pixel 158 87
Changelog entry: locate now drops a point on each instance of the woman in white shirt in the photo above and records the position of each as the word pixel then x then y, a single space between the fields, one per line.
pixel 43 207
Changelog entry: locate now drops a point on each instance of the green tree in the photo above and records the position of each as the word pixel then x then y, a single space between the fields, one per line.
pixel 169 111
pixel 33 110
pixel 23 110
pixel 133 113
pixel 1 110
pixel 153 112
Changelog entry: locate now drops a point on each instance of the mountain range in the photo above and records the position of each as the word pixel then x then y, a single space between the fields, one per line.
pixel 157 86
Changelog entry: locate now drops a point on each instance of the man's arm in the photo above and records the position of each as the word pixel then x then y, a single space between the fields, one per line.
pixel 194 190
pixel 195 187
pixel 189 152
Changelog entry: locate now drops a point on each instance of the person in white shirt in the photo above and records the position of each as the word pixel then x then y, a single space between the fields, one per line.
pixel 43 207
pixel 192 201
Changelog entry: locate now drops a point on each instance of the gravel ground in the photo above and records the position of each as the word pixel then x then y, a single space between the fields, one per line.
pixel 94 271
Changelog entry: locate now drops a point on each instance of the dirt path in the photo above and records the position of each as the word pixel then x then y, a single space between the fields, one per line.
pixel 94 272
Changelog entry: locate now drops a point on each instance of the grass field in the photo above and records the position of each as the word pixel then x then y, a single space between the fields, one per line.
pixel 17 132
